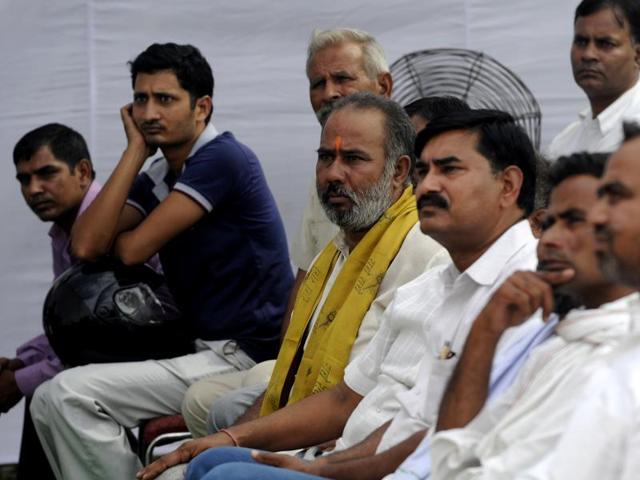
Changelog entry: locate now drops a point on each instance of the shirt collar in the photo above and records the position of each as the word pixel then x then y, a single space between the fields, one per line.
pixel 610 117
pixel 208 134
pixel 486 269
pixel 340 241
pixel 92 192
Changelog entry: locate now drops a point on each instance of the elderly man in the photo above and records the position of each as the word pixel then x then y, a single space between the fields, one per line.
pixel 204 198
pixel 340 62
pixel 601 438
pixel 506 438
pixel 605 58
pixel 56 178
pixel 461 183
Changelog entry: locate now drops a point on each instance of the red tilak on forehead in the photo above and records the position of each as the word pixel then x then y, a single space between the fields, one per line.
pixel 338 143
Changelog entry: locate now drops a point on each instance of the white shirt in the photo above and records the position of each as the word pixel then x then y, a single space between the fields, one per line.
pixel 417 254
pixel 315 231
pixel 435 308
pixel 509 437
pixel 602 438
pixel 600 134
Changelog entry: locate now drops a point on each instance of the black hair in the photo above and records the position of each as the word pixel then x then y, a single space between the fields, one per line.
pixel 187 63
pixel 543 183
pixel 500 140
pixel 65 144
pixel 581 163
pixel 431 107
pixel 628 10
pixel 630 130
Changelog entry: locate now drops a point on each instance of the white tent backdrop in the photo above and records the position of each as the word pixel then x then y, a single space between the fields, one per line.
pixel 65 61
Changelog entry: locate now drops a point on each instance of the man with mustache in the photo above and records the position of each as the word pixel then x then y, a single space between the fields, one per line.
pixel 206 208
pixel 605 58
pixel 601 439
pixel 340 62
pixel 56 177
pixel 505 437
pixel 483 166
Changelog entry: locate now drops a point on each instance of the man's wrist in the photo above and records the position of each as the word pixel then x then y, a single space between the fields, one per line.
pixel 487 327
pixel 16 364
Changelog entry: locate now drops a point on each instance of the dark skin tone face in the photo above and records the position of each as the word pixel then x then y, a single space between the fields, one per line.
pixel 616 216
pixel 567 242
pixel 52 189
pixel 604 58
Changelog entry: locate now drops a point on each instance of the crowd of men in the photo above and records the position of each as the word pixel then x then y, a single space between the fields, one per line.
pixel 464 306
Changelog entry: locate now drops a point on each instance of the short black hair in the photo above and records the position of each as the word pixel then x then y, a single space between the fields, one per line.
pixel 628 10
pixel 65 144
pixel 543 183
pixel 580 163
pixel 431 107
pixel 630 130
pixel 187 63
pixel 500 140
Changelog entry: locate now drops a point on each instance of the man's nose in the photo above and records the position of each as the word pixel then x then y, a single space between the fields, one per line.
pixel 35 186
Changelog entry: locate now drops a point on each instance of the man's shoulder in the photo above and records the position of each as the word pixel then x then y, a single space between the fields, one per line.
pixel 557 146
pixel 223 146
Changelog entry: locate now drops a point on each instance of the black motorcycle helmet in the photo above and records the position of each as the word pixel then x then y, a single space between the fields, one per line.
pixel 107 312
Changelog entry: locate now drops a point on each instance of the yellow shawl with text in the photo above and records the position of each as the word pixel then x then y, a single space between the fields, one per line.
pixel 329 345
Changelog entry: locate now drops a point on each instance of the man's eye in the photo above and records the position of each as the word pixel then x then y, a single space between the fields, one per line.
pixel 580 42
pixel 343 79
pixel 165 99
pixel 324 157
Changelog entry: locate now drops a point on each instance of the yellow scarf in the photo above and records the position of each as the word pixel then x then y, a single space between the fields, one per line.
pixel 330 341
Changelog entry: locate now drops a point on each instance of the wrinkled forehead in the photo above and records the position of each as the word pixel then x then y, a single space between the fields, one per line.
pixel 578 193
pixel 42 157
pixel 345 56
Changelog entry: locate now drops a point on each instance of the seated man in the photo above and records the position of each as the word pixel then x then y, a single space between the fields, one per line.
pixel 56 178
pixel 506 438
pixel 601 439
pixel 474 200
pixel 340 61
pixel 226 410
pixel 206 208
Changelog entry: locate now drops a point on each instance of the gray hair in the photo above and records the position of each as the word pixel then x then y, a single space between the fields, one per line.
pixel 374 62
pixel 399 132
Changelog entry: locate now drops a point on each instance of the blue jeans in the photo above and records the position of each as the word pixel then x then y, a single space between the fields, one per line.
pixel 232 463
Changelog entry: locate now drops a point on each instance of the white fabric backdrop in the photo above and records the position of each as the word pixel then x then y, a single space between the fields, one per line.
pixel 66 62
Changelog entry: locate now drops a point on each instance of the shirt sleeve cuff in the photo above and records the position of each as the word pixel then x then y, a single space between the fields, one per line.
pixel 356 381
pixel 29 378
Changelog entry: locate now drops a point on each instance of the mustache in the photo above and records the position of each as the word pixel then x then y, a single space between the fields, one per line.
pixel 150 123
pixel 337 188
pixel 432 199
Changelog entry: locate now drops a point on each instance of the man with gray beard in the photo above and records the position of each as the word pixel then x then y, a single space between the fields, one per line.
pixel 362 179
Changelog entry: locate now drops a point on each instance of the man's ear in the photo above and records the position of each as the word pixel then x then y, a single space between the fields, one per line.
pixel 204 106
pixel 512 178
pixel 385 84
pixel 401 172
pixel 84 171
pixel 637 57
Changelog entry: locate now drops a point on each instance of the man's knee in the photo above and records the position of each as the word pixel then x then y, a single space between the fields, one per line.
pixel 195 408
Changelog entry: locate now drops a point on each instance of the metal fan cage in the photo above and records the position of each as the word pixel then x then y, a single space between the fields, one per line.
pixel 472 76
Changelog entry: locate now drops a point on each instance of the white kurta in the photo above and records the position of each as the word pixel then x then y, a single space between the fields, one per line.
pixel 435 309
pixel 602 437
pixel 600 134
pixel 510 436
